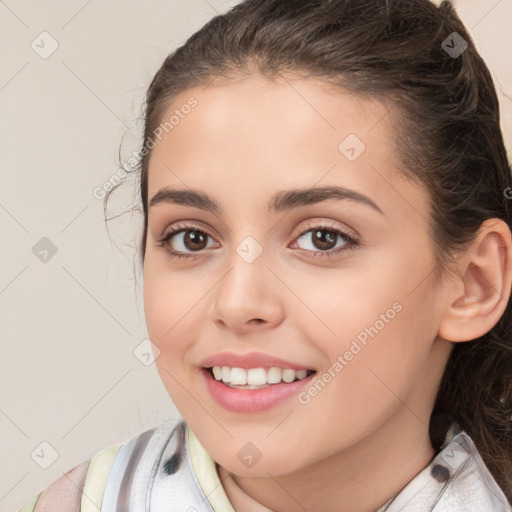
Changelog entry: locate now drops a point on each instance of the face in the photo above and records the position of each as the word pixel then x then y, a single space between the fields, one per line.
pixel 339 289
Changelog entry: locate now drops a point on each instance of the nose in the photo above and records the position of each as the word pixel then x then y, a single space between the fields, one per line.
pixel 248 297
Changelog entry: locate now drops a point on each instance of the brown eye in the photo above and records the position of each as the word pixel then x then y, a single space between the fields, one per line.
pixel 187 239
pixel 194 240
pixel 184 241
pixel 324 238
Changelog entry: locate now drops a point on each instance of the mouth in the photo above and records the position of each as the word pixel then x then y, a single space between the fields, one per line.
pixel 251 390
pixel 256 378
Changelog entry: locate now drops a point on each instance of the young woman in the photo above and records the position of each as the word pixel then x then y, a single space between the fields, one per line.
pixel 327 264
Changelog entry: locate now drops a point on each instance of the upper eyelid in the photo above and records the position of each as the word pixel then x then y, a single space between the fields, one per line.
pixel 184 226
pixel 328 225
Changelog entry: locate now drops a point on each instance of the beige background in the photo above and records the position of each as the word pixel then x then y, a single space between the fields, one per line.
pixel 69 327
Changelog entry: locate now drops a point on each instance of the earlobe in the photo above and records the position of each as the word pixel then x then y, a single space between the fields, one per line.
pixel 486 279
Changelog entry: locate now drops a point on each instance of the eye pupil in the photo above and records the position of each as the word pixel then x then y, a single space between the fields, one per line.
pixel 326 242
pixel 195 238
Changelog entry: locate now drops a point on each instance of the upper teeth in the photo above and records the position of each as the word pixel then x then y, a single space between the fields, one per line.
pixel 256 376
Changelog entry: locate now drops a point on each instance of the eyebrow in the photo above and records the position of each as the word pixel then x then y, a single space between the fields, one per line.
pixel 282 201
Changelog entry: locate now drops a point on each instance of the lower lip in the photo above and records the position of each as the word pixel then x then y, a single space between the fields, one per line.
pixel 252 400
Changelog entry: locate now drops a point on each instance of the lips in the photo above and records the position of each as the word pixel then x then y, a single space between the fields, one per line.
pixel 248 398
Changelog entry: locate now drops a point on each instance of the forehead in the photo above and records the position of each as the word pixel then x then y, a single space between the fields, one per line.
pixel 253 136
pixel 257 108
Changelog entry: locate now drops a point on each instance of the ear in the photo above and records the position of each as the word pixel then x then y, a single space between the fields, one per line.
pixel 485 276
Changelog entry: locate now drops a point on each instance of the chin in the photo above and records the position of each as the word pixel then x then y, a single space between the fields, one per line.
pixel 265 466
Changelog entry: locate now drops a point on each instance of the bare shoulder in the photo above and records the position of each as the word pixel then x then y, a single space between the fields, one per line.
pixel 65 494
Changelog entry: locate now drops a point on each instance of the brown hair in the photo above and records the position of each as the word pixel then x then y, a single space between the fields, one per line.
pixel 448 136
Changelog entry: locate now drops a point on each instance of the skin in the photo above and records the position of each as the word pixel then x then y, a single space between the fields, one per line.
pixel 246 140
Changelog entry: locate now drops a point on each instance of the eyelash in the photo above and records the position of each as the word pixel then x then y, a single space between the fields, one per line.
pixel 351 243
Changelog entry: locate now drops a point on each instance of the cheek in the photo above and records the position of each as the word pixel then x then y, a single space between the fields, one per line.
pixel 169 318
pixel 169 298
pixel 369 383
pixel 381 325
pixel 352 305
pixel 169 313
